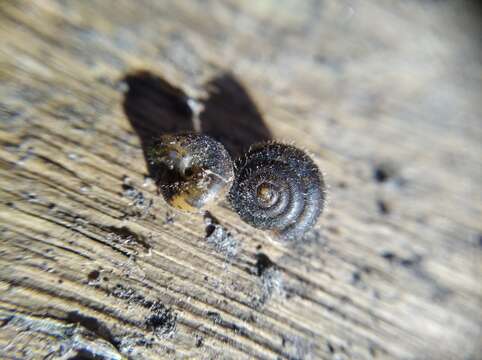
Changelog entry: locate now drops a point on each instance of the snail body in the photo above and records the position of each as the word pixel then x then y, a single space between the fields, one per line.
pixel 279 188
pixel 193 169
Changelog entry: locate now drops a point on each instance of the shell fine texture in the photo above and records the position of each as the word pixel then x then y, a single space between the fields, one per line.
pixel 279 188
pixel 192 169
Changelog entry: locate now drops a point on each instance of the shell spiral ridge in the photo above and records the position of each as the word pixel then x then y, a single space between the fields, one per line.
pixel 278 187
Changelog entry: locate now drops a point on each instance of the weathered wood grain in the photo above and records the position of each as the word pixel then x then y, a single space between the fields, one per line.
pixel 386 97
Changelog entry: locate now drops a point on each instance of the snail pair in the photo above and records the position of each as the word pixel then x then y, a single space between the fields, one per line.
pixel 274 187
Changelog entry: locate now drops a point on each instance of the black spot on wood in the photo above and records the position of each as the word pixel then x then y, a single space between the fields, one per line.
pixel 93 275
pixel 383 207
pixel 330 347
pixel 161 320
pixel 214 316
pixel 210 229
pixel 409 262
pixel 355 277
pixel 391 257
pixel 383 172
pixel 263 262
pixel 219 237
pixel 199 341
pixel 387 255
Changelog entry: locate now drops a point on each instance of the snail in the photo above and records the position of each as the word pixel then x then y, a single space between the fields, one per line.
pixel 279 188
pixel 193 169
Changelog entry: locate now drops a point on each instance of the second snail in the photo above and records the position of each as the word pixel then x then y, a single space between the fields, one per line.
pixel 274 187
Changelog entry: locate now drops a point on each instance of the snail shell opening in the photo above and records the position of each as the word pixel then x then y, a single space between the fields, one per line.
pixel 279 188
pixel 193 169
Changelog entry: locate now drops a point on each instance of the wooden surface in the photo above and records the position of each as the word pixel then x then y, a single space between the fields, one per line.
pixel 384 94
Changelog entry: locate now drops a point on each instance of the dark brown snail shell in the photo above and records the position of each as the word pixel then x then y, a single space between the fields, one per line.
pixel 193 169
pixel 278 187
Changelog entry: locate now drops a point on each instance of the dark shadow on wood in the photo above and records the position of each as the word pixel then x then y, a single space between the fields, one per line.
pixel 231 116
pixel 155 107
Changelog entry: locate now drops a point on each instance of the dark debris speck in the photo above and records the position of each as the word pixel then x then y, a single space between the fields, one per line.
pixel 271 279
pixel 387 255
pixel 263 262
pixel 162 320
pixel 383 207
pixel 355 277
pixel 383 172
pixel 136 196
pixel 408 262
pixel 219 237
pixel 214 316
pixel 93 275
pixel 169 218
pixel 199 341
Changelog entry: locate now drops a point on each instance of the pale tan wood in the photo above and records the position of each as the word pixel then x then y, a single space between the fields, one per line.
pixel 90 268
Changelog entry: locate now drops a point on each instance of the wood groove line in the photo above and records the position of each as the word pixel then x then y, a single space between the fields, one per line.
pixel 78 196
pixel 199 313
pixel 341 314
pixel 249 307
pixel 101 309
pixel 63 248
pixel 317 302
pixel 184 294
pixel 45 315
pixel 75 230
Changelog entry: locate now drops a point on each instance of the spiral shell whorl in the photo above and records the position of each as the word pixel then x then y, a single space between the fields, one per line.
pixel 194 169
pixel 279 188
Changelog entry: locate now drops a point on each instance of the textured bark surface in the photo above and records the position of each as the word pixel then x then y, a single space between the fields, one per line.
pixel 384 94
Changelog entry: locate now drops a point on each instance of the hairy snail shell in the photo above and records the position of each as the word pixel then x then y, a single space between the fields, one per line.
pixel 193 169
pixel 278 187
